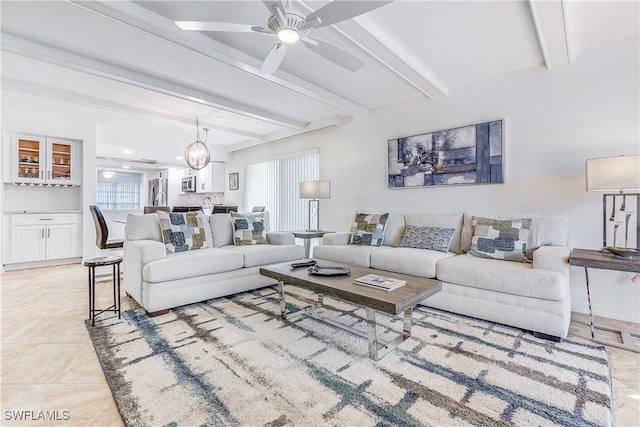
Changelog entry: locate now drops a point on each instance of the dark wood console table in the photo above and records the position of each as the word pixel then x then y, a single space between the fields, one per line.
pixel 589 258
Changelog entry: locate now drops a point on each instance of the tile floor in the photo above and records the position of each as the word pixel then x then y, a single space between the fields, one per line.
pixel 48 362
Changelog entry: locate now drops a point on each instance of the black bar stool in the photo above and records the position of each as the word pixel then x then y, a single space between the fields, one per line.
pixel 92 263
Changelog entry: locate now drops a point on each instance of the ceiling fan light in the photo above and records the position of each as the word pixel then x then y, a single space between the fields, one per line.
pixel 288 35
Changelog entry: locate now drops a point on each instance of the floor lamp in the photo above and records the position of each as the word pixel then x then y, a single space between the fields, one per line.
pixel 315 190
pixel 618 177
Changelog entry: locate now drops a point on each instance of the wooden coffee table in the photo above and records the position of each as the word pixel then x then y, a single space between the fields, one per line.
pixel 401 300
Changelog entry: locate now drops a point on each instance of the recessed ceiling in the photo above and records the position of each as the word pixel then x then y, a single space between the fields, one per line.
pixel 130 58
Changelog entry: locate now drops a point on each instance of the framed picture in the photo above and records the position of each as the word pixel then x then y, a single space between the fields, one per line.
pixel 233 181
pixel 465 155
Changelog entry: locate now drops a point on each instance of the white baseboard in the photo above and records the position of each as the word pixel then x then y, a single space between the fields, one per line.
pixel 606 311
pixel 46 263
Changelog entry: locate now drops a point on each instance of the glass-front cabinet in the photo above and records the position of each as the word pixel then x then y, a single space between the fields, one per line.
pixel 60 163
pixel 40 160
pixel 30 158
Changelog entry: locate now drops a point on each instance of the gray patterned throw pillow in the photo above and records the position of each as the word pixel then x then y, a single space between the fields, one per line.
pixel 183 231
pixel 504 239
pixel 368 229
pixel 432 238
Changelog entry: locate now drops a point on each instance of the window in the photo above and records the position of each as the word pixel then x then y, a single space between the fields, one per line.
pixel 275 185
pixel 116 191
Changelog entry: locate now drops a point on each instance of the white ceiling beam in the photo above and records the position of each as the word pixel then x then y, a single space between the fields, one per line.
pixel 380 46
pixel 550 22
pixel 105 69
pixel 368 36
pixel 150 23
pixel 313 126
pixel 90 101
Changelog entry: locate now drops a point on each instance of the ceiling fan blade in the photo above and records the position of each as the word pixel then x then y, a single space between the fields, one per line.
pixel 277 8
pixel 338 11
pixel 214 26
pixel 309 24
pixel 335 54
pixel 263 31
pixel 274 59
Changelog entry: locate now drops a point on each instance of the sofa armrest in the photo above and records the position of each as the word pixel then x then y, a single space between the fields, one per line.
pixel 137 253
pixel 553 258
pixel 280 238
pixel 337 238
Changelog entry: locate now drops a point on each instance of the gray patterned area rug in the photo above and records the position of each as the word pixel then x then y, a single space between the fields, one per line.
pixel 233 361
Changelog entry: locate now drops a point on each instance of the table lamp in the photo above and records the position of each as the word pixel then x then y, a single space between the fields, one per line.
pixel 617 177
pixel 315 190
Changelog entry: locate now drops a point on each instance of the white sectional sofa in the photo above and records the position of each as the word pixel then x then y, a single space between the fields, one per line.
pixel 529 295
pixel 159 281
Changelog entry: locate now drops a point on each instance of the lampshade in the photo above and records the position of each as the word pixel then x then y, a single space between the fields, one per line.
pixel 621 173
pixel 315 190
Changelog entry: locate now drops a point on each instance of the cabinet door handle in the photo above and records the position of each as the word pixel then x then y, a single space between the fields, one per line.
pixel 42 233
pixel 49 174
pixel 46 219
pixel 48 233
pixel 41 174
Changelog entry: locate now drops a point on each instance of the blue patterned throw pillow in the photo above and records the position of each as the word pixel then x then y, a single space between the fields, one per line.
pixel 368 229
pixel 183 231
pixel 431 238
pixel 504 239
pixel 248 229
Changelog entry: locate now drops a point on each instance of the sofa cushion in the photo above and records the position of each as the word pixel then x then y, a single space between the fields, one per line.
pixel 440 220
pixel 545 230
pixel 416 262
pixel 350 254
pixel 504 239
pixel 254 255
pixel 368 229
pixel 394 230
pixel 143 227
pixel 249 229
pixel 509 277
pixel 183 265
pixel 184 231
pixel 431 238
pixel 221 229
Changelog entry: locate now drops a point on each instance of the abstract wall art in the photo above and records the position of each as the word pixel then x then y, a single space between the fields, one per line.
pixel 465 155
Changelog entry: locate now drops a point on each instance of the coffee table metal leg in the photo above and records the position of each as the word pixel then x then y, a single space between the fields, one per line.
pixel 372 336
pixel 406 323
pixel 320 302
pixel 283 304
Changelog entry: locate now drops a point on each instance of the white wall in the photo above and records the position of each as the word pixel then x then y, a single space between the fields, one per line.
pixel 43 116
pixel 554 120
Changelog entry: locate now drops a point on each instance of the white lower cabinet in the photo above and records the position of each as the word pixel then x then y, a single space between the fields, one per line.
pixel 39 237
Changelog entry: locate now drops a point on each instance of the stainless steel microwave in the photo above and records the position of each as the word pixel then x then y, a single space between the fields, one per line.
pixel 189 184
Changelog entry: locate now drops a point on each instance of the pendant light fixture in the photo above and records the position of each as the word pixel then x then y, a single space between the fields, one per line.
pixel 197 154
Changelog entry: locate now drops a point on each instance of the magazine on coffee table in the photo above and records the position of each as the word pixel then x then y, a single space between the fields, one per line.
pixel 380 282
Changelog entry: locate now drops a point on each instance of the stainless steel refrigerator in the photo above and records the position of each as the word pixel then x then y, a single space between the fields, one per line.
pixel 158 192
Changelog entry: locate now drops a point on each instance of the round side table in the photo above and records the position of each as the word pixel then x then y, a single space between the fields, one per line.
pixel 92 263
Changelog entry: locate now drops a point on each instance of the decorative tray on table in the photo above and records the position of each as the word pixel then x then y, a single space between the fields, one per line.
pixel 318 270
pixel 627 253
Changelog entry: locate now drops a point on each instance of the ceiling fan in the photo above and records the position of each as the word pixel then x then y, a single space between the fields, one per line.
pixel 290 26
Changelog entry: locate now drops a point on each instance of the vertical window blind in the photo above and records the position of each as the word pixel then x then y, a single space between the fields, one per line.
pixel 275 185
pixel 120 192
